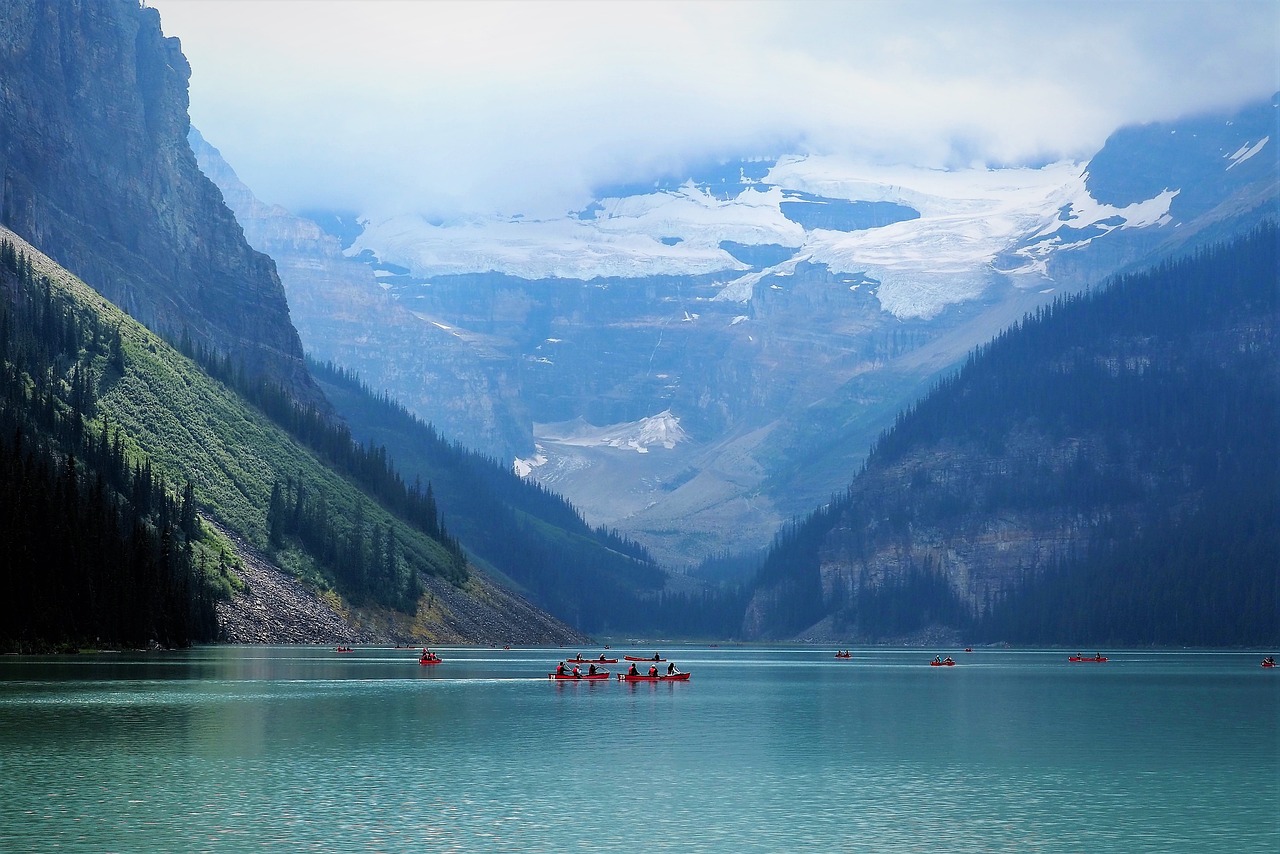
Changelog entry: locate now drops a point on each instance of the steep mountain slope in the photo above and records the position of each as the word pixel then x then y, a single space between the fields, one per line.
pixel 532 538
pixel 192 428
pixel 1106 471
pixel 537 542
pixel 779 311
pixel 344 315
pixel 97 172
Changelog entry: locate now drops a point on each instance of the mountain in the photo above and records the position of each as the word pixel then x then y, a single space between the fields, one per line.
pixel 342 312
pixel 1106 471
pixel 779 310
pixel 270 491
pixel 97 172
pixel 535 541
pixel 152 470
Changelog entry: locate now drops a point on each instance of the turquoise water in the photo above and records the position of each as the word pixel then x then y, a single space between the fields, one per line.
pixel 764 749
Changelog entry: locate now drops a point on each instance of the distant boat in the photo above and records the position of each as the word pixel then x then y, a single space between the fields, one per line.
pixel 1098 658
pixel 637 658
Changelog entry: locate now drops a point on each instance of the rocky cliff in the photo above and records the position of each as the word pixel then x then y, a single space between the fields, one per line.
pixel 97 172
pixel 458 380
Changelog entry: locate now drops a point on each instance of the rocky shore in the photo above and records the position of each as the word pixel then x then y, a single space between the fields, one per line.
pixel 276 608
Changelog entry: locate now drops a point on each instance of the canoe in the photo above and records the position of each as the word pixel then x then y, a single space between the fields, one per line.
pixel 635 658
pixel 838 655
pixel 1083 658
pixel 942 664
pixel 661 677
pixel 594 660
pixel 584 677
pixel 1268 664
pixel 425 661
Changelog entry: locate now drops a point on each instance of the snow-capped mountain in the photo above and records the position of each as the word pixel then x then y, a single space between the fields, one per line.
pixel 779 312
pixel 926 238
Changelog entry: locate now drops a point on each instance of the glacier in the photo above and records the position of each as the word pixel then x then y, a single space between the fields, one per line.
pixel 974 225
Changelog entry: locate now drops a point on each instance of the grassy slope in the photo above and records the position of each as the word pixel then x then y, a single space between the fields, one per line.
pixel 194 428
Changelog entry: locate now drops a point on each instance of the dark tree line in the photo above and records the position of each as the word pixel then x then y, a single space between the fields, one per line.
pixel 94 548
pixel 365 558
pixel 593 578
pixel 1147 411
pixel 365 562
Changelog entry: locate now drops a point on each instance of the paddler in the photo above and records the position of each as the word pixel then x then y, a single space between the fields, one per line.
pixel 653 670
pixel 631 671
pixel 671 669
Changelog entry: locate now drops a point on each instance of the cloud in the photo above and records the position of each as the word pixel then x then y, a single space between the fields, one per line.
pixel 457 108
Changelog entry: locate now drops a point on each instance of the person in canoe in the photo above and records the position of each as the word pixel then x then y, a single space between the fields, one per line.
pixel 601 657
pixel 631 671
pixel 577 672
pixel 591 671
pixel 657 657
pixel 937 659
pixel 560 669
pixel 653 670
pixel 671 669
pixel 948 660
pixel 1269 661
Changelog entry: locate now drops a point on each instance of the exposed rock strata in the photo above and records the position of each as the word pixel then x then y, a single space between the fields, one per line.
pixel 97 172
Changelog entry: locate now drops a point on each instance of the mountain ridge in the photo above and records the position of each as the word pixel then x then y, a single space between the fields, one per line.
pixel 1074 481
pixel 95 169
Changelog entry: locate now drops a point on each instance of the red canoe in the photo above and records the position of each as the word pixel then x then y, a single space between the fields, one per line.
pixel 1268 664
pixel 572 678
pixel 593 660
pixel 661 677
pixel 1091 658
pixel 635 658
pixel 942 664
pixel 425 661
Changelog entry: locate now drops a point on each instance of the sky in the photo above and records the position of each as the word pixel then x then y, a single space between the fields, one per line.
pixel 454 110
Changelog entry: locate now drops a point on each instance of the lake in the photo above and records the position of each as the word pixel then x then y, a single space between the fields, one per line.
pixel 764 749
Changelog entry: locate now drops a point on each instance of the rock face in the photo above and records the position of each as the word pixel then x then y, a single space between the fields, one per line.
pixel 458 380
pixel 97 173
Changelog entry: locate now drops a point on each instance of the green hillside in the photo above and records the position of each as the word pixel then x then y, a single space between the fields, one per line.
pixel 161 408
pixel 534 539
